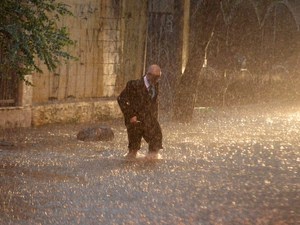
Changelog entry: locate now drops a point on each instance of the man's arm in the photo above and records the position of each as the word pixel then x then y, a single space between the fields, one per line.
pixel 125 102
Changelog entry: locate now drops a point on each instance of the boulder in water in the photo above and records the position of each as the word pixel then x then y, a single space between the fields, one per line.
pixel 100 133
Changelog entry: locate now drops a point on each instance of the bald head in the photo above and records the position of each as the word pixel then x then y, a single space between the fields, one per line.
pixel 154 69
pixel 153 73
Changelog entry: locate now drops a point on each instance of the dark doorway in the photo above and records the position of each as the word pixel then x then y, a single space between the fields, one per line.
pixel 164 45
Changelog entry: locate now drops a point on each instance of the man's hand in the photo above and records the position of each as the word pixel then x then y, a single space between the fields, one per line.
pixel 134 120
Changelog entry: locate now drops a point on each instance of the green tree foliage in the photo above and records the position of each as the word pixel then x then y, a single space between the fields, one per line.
pixel 29 34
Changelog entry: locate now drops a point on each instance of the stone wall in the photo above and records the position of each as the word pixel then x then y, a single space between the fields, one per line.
pixel 19 116
pixel 95 27
pixel 11 117
pixel 75 112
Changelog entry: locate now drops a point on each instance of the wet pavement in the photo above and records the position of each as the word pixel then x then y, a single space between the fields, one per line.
pixel 229 166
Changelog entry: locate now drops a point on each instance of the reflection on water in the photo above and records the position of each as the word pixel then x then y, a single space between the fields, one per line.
pixel 233 166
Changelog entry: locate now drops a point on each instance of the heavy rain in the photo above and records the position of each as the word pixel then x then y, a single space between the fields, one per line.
pixel 229 112
pixel 236 166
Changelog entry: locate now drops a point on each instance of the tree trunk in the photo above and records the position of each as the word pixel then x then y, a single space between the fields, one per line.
pixel 202 22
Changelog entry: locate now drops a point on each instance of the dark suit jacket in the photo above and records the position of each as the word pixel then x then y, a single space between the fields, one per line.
pixel 135 100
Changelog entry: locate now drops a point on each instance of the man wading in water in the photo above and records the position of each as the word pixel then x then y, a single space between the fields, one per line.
pixel 139 105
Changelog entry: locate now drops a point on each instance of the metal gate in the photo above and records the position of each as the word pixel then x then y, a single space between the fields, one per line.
pixel 8 90
pixel 163 45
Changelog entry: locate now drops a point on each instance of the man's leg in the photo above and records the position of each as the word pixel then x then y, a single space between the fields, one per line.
pixel 154 139
pixel 134 140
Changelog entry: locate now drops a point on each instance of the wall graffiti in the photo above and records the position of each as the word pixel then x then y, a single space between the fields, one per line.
pixel 169 23
pixel 84 11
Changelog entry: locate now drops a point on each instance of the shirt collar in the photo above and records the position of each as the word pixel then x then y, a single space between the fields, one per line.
pixel 146 82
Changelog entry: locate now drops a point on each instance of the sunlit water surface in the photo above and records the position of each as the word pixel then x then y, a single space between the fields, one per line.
pixel 229 166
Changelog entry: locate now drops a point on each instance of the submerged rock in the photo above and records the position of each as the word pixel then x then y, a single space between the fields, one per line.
pixel 100 133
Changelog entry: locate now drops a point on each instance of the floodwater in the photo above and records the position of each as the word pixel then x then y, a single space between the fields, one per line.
pixel 229 166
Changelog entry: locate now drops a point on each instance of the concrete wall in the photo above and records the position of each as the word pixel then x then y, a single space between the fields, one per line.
pixel 78 93
pixel 15 117
pixel 75 112
pixel 108 34
pixel 133 36
pixel 96 29
pixel 19 116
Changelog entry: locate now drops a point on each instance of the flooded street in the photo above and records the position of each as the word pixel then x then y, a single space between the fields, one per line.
pixel 229 166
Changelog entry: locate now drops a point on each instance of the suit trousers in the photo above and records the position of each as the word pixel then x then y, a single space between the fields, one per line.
pixel 150 131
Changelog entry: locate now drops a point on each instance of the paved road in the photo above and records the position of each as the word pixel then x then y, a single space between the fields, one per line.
pixel 233 166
